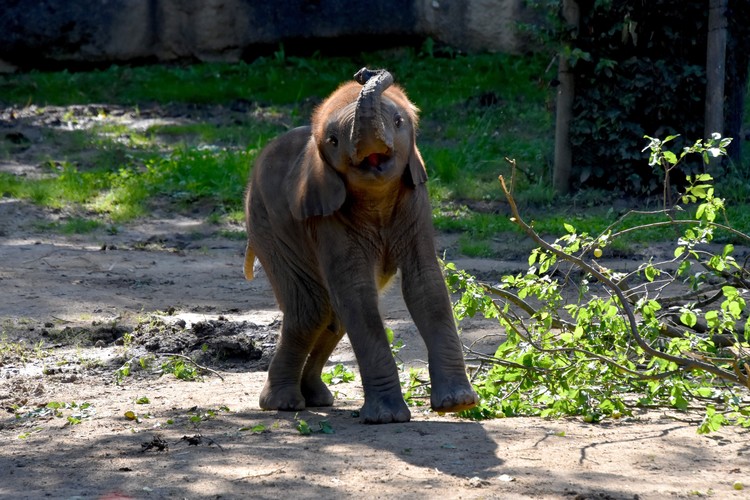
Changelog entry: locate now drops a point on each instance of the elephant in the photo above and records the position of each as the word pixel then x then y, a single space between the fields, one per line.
pixel 333 210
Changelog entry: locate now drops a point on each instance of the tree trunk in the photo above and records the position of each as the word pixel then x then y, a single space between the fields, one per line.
pixel 564 106
pixel 715 63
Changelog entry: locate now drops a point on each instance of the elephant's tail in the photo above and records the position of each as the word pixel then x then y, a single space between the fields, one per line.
pixel 249 262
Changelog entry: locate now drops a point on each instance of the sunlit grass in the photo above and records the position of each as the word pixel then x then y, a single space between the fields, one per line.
pixel 115 170
pixel 183 176
pixel 75 225
pixel 236 135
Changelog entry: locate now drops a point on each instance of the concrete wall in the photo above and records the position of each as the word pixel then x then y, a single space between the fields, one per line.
pixel 37 33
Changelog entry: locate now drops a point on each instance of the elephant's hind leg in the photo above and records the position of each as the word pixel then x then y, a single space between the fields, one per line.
pixel 282 388
pixel 306 317
pixel 313 389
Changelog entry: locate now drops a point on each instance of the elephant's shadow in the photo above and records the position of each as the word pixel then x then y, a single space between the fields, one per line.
pixel 461 448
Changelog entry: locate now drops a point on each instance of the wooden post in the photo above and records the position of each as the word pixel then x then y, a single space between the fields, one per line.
pixel 716 48
pixel 564 106
pixel 735 86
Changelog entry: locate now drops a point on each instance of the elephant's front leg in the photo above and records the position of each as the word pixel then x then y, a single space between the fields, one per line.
pixel 384 402
pixel 427 299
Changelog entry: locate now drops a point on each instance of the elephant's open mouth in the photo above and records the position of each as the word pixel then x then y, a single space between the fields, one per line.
pixel 375 161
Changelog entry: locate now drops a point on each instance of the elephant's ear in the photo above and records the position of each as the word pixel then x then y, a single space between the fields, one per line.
pixel 415 173
pixel 315 189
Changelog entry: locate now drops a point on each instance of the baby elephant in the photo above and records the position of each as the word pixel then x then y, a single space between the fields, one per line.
pixel 333 210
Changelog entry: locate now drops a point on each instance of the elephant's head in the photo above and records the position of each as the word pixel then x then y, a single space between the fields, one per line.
pixel 363 139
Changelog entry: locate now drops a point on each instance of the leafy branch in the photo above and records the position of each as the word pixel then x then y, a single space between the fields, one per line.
pixel 684 362
pixel 585 339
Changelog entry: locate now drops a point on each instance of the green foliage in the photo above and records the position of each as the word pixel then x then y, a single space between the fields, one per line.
pixel 181 370
pixel 584 339
pixel 19 351
pixel 74 225
pixel 73 412
pixel 256 429
pixel 186 175
pixel 338 374
pixel 396 345
pixel 416 386
pixel 303 427
pixel 475 109
pixel 122 373
pixel 189 174
pixel 196 416
pixel 324 427
pixel 414 383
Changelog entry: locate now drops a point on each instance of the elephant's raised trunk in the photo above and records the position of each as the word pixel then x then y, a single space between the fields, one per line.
pixel 369 137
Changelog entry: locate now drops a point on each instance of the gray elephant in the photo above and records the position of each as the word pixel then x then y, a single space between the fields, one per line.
pixel 333 210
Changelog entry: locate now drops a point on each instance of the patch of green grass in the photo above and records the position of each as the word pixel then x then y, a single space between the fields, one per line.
pixel 117 171
pixel 183 176
pixel 236 216
pixel 11 351
pixel 237 135
pixel 283 81
pixel 232 234
pixel 188 174
pixel 67 186
pixel 476 224
pixel 74 225
pixel 473 247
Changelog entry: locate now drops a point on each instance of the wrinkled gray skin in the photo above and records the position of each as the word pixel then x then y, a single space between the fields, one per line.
pixel 333 211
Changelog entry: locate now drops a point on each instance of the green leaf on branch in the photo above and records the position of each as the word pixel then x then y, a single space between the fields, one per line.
pixel 688 318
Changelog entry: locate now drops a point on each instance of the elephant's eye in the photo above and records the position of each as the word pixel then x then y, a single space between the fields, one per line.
pixel 398 120
pixel 333 140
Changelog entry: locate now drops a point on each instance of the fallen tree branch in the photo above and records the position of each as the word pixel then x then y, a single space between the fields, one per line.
pixel 686 363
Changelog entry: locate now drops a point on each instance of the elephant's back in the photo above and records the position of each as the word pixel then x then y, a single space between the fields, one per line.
pixel 277 158
pixel 267 192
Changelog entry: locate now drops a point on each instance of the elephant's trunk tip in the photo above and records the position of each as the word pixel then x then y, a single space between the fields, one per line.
pixel 368 134
pixel 364 75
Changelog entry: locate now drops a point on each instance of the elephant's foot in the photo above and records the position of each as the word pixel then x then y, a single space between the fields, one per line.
pixel 316 394
pixel 384 410
pixel 285 398
pixel 453 397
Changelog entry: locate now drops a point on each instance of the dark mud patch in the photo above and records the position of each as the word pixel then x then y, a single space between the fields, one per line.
pixel 212 341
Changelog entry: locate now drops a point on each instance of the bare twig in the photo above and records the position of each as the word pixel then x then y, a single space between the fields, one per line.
pixel 260 474
pixel 675 222
pixel 496 361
